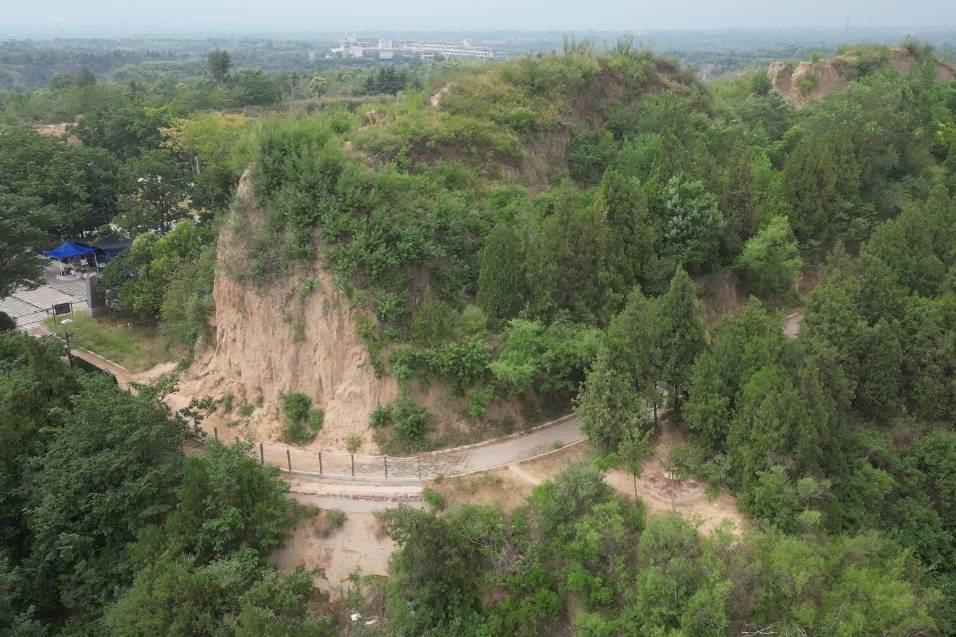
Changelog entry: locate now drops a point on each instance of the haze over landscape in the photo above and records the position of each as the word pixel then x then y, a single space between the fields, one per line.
pixel 508 318
pixel 184 16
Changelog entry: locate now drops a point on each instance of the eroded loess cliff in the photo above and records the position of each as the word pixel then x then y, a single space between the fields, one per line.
pixel 806 82
pixel 288 334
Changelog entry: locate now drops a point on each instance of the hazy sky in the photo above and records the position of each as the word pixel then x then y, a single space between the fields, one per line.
pixel 140 16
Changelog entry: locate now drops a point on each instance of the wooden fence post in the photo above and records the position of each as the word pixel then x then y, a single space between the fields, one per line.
pixel 215 433
pixel 288 457
pixel 353 464
pixel 419 467
pixel 262 455
pixel 385 458
pixel 320 463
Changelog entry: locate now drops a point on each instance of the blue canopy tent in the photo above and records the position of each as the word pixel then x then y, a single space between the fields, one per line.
pixel 70 250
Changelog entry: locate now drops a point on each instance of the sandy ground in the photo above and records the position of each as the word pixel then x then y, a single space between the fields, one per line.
pixel 500 487
pixel 791 327
pixel 659 493
pixel 359 546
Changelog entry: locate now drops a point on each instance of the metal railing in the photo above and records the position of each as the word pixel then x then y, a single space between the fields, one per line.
pixel 423 467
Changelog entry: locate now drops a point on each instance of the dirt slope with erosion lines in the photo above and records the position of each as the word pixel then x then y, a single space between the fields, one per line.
pixel 299 334
pixel 272 339
pixel 806 82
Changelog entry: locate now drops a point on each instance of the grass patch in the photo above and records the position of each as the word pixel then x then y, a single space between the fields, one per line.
pixel 434 499
pixel 135 347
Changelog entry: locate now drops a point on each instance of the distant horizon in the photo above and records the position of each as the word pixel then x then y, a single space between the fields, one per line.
pixel 93 34
pixel 145 17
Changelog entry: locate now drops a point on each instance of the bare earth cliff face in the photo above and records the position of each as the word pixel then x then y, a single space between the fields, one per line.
pixel 806 82
pixel 270 340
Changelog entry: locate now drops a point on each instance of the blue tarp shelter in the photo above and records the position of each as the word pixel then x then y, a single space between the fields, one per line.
pixel 68 250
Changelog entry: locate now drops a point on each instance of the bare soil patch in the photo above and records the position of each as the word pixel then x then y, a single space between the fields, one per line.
pixel 358 546
pixel 500 488
pixel 659 491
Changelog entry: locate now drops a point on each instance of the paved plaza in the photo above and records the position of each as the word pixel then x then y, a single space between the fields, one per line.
pixel 30 307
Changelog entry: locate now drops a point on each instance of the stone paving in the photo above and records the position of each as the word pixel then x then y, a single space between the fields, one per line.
pixel 29 308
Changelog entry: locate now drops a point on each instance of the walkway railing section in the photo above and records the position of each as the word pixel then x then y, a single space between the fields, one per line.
pixel 424 467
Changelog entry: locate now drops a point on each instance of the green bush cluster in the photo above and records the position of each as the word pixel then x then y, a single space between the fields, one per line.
pixel 302 422
pixel 591 562
pixel 125 532
pixel 401 426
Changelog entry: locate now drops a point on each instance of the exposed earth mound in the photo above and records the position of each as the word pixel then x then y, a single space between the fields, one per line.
pixel 291 335
pixel 806 82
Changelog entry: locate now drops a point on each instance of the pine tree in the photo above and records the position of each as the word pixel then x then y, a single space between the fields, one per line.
pixel 708 406
pixel 633 234
pixel 609 407
pixel 631 339
pixel 681 336
pixel 502 284
pixel 878 393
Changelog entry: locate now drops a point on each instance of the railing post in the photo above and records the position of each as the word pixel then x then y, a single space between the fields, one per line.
pixel 288 457
pixel 320 463
pixel 385 458
pixel 353 464
pixel 262 455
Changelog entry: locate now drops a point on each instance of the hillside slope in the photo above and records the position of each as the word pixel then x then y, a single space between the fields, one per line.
pixel 298 334
pixel 806 82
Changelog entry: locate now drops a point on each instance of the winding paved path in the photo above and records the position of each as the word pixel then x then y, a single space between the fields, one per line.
pixel 458 461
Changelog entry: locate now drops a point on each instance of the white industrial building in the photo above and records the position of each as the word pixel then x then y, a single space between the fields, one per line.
pixel 380 49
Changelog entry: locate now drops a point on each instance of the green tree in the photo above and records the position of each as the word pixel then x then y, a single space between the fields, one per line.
pixel 566 256
pixel 227 503
pixel 318 85
pixel 502 282
pixel 158 194
pixel 24 224
pixel 878 392
pixel 433 588
pixel 77 183
pixel 631 339
pixel 633 234
pixel 127 127
pixel 218 63
pixel 693 224
pixel 770 259
pixel 708 408
pixel 822 180
pixel 681 335
pixel 36 388
pixel 609 407
pixel 107 472
pixel 138 279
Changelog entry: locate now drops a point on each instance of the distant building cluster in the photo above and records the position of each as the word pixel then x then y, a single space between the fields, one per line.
pixel 380 49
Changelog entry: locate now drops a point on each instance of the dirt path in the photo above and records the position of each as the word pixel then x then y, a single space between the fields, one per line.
pixel 659 492
pixel 361 546
pixel 124 377
pixel 791 327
